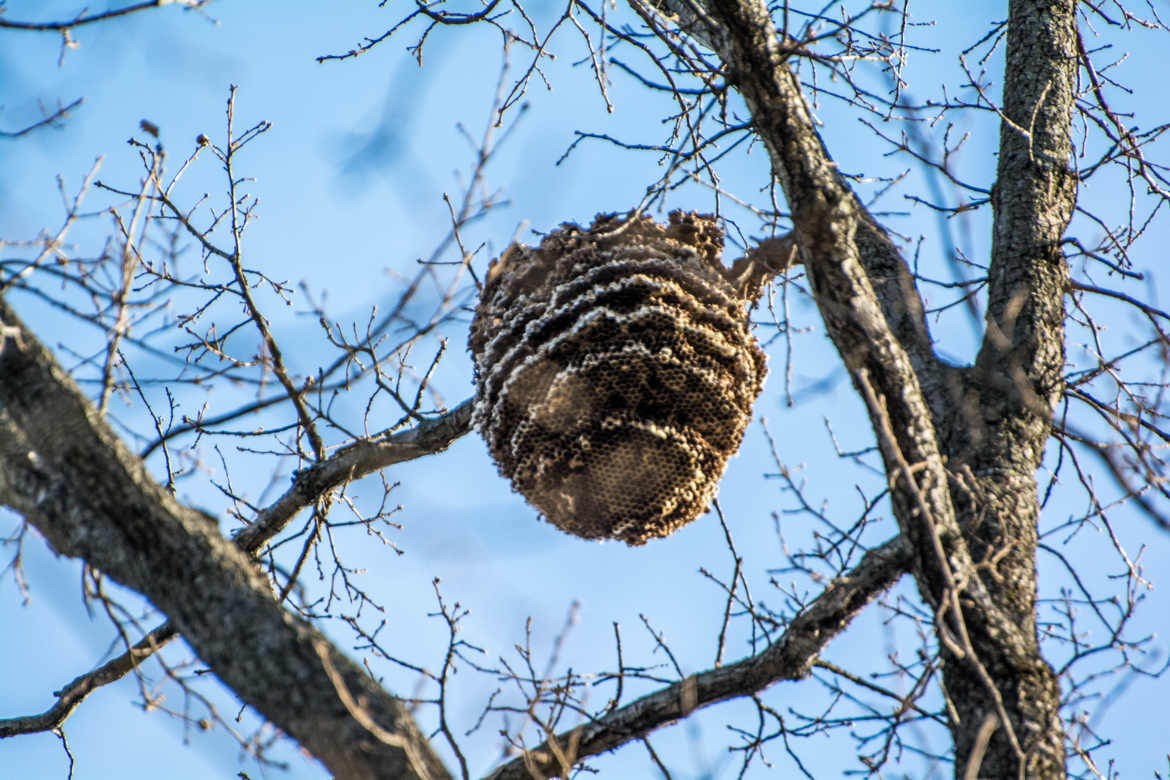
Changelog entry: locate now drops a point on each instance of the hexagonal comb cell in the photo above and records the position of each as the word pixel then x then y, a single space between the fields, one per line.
pixel 615 373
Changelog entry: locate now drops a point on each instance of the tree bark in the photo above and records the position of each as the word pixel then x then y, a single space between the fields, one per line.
pixel 1016 383
pixel 972 522
pixel 67 473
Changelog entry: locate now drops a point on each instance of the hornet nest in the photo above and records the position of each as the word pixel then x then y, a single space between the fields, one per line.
pixel 615 370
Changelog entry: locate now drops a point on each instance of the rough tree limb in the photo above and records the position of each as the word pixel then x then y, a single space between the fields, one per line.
pixel 309 484
pixel 826 218
pixel 988 425
pixel 353 462
pixel 1018 378
pixel 789 658
pixel 66 472
pixel 755 54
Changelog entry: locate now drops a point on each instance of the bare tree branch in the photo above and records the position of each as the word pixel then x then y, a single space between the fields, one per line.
pixel 309 485
pixel 101 16
pixel 70 476
pixel 47 121
pixel 790 657
pixel 914 401
pixel 74 692
pixel 351 462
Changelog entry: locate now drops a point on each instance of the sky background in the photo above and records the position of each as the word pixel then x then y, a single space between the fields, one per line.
pixel 350 180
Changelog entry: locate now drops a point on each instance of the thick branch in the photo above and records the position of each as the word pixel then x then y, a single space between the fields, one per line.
pixel 916 404
pixel 789 658
pixel 309 485
pixel 862 287
pixel 352 462
pixel 1033 200
pixel 882 337
pixel 741 31
pixel 1019 379
pixel 64 469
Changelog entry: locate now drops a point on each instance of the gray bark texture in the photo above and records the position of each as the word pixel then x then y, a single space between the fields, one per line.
pixel 64 469
pixel 961 446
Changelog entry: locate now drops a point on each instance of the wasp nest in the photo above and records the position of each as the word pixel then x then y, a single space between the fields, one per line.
pixel 616 371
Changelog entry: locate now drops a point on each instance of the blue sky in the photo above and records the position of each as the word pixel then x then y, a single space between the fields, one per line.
pixel 350 180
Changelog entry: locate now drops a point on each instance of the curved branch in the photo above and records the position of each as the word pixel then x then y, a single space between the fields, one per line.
pixel 922 409
pixel 81 20
pixel 789 658
pixel 75 692
pixel 354 461
pixel 69 475
pixel 445 17
pixel 862 287
pixel 310 484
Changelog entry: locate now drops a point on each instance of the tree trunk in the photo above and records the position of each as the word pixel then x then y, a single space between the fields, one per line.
pixel 1016 383
pixel 972 522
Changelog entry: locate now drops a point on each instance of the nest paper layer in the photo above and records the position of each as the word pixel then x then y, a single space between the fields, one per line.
pixel 615 373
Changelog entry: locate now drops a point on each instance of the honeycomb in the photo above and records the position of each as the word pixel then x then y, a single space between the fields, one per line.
pixel 615 372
